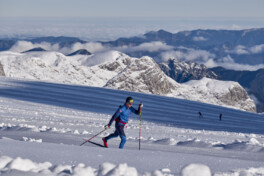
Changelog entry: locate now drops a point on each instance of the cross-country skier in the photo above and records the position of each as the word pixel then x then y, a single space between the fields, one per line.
pixel 200 114
pixel 121 117
pixel 220 116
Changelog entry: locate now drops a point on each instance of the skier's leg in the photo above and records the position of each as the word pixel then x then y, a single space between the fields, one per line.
pixel 113 135
pixel 120 129
pixel 123 141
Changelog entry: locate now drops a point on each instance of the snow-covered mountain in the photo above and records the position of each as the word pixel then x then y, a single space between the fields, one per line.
pixel 252 81
pixel 144 75
pixel 117 70
pixel 225 93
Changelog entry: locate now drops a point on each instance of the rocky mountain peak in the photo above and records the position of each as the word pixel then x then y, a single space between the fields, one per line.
pixel 142 75
pixel 185 71
pixel 2 72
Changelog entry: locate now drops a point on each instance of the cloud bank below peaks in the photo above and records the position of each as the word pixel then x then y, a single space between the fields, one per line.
pixel 166 52
pixel 187 54
pixel 228 63
pixel 21 46
pixel 240 50
pixel 147 46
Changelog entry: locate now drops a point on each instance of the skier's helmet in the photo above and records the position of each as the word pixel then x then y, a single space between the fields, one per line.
pixel 129 100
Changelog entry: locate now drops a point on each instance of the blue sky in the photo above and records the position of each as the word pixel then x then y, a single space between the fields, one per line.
pixel 111 19
pixel 135 8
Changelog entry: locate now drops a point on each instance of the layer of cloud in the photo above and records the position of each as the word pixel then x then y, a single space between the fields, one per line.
pixel 257 49
pixel 105 29
pixel 240 50
pixel 92 47
pixel 228 63
pixel 148 46
pixel 188 55
pixel 167 52
pixel 22 46
pixel 209 59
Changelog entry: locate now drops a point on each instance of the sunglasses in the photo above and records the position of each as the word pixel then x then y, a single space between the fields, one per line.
pixel 130 102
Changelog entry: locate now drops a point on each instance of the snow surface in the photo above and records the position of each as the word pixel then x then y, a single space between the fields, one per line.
pixel 43 124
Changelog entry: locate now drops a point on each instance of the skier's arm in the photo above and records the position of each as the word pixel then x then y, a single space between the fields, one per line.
pixel 138 110
pixel 114 117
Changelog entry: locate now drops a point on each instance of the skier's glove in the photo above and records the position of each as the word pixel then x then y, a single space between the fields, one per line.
pixel 107 126
pixel 140 105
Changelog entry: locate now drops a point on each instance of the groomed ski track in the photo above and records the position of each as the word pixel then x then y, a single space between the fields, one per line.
pixel 178 112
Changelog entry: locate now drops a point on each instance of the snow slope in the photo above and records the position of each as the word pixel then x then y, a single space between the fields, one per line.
pixel 117 70
pixel 43 123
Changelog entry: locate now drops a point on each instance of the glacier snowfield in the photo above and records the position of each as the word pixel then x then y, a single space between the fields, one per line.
pixel 43 123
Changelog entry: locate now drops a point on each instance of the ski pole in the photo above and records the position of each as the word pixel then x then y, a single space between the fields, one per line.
pixel 93 137
pixel 139 126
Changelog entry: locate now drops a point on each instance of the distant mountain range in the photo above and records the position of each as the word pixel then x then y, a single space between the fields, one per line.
pixel 243 46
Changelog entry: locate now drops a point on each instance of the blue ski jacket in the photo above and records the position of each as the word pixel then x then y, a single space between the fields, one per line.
pixel 123 114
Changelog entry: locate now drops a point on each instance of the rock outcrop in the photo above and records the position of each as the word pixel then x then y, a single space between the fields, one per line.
pixel 186 71
pixel 2 72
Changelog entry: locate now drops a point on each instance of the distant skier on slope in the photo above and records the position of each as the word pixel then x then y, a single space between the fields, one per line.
pixel 121 117
pixel 200 114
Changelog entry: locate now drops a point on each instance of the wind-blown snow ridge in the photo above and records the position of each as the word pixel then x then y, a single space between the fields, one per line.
pixel 20 166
